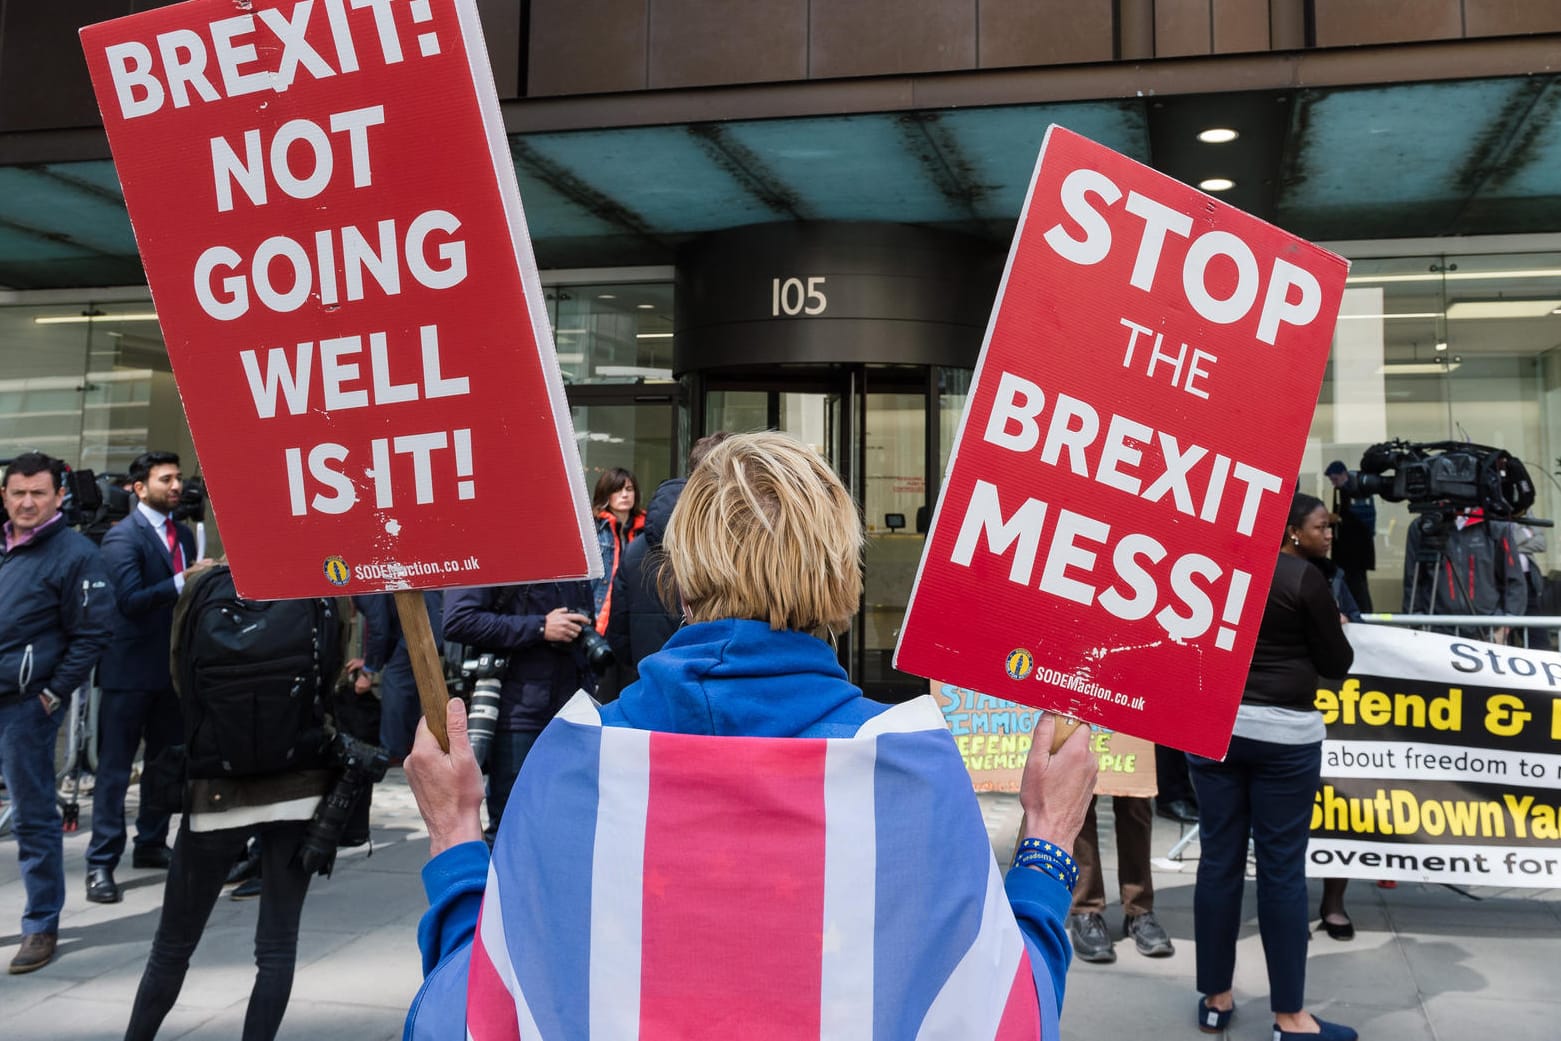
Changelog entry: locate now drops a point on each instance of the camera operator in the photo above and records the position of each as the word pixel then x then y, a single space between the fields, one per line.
pixel 1355 538
pixel 149 556
pixel 1460 562
pixel 56 608
pixel 537 628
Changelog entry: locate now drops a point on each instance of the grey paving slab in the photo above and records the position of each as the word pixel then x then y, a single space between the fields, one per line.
pixel 1457 1016
pixel 90 1019
pixel 1428 964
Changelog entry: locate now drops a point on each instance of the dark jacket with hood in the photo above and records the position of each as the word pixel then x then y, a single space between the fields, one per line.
pixel 56 613
pixel 640 623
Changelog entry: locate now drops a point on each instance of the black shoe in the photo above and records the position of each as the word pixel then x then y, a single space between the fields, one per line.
pixel 1179 810
pixel 101 887
pixel 1344 930
pixel 248 891
pixel 243 871
pixel 1091 939
pixel 1148 934
pixel 156 857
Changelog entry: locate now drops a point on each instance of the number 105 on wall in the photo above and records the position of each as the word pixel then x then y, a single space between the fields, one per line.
pixel 794 296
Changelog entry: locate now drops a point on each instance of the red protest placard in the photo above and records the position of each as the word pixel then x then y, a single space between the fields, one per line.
pixel 1106 533
pixel 324 200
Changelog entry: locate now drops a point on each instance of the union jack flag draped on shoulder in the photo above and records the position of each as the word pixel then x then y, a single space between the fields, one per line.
pixel 661 886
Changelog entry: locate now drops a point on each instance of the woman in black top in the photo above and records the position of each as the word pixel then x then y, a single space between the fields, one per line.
pixel 1264 789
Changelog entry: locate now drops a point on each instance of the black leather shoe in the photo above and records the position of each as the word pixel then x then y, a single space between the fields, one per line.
pixel 101 887
pixel 1344 930
pixel 1149 935
pixel 156 857
pixel 1179 810
pixel 1091 939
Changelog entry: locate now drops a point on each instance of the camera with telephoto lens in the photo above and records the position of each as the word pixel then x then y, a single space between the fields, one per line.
pixel 486 671
pixel 361 765
pixel 597 651
pixel 1445 476
pixel 192 501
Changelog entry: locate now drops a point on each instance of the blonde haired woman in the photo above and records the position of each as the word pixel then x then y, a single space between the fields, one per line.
pixel 742 839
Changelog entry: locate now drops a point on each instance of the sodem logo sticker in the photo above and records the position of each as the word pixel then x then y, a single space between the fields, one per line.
pixel 1019 663
pixel 337 573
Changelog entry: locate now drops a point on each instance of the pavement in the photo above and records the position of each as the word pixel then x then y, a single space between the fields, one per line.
pixel 1427 964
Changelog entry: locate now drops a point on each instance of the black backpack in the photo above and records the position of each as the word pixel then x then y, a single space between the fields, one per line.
pixel 253 677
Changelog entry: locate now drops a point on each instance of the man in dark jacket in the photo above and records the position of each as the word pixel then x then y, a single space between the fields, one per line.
pixel 641 621
pixel 149 556
pixel 56 608
pixel 535 628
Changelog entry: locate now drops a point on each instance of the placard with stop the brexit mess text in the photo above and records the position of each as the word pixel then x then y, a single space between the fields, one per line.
pixel 1107 529
pixel 325 204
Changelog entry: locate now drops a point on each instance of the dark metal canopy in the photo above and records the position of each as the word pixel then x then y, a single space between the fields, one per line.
pixel 1458 157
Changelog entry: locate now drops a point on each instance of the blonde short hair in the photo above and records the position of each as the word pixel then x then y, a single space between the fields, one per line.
pixel 765 530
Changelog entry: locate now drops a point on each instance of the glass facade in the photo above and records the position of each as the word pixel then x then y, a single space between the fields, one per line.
pixel 1428 348
pixel 1443 348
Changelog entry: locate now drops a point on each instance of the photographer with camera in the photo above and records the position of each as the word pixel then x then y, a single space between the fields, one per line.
pixel 549 649
pixel 150 556
pixel 262 760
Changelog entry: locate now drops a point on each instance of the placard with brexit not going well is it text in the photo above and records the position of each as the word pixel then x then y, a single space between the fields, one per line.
pixel 325 203
pixel 1107 529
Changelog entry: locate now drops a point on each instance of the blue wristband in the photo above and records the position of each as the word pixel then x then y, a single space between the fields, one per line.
pixel 1047 858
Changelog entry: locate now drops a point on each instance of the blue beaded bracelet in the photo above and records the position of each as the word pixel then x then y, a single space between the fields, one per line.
pixel 1049 859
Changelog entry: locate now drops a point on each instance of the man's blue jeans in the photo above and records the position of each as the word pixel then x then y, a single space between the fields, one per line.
pixel 400 708
pixel 27 735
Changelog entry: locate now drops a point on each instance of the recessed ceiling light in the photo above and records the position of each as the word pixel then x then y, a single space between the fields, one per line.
pixel 1218 136
pixel 1458 276
pixel 646 307
pixel 1217 184
pixel 77 319
pixel 1417 368
pixel 1502 308
pixel 606 296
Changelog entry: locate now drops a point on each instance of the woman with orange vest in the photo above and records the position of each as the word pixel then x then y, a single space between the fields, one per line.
pixel 619 521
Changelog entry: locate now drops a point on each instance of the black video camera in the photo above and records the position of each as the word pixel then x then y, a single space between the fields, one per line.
pixel 82 497
pixel 362 765
pixel 192 501
pixel 1445 476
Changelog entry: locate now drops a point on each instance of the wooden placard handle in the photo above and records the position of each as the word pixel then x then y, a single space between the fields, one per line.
pixel 1065 725
pixel 426 667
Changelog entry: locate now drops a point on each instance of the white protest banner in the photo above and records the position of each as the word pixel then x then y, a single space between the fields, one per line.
pixel 1442 763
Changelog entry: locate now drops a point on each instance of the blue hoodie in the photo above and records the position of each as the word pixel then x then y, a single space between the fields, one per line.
pixel 733 678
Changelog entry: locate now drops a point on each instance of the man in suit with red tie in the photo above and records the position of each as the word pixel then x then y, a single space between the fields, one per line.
pixel 149 555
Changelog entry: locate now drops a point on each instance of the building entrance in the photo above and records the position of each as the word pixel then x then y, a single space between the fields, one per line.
pixel 886 430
